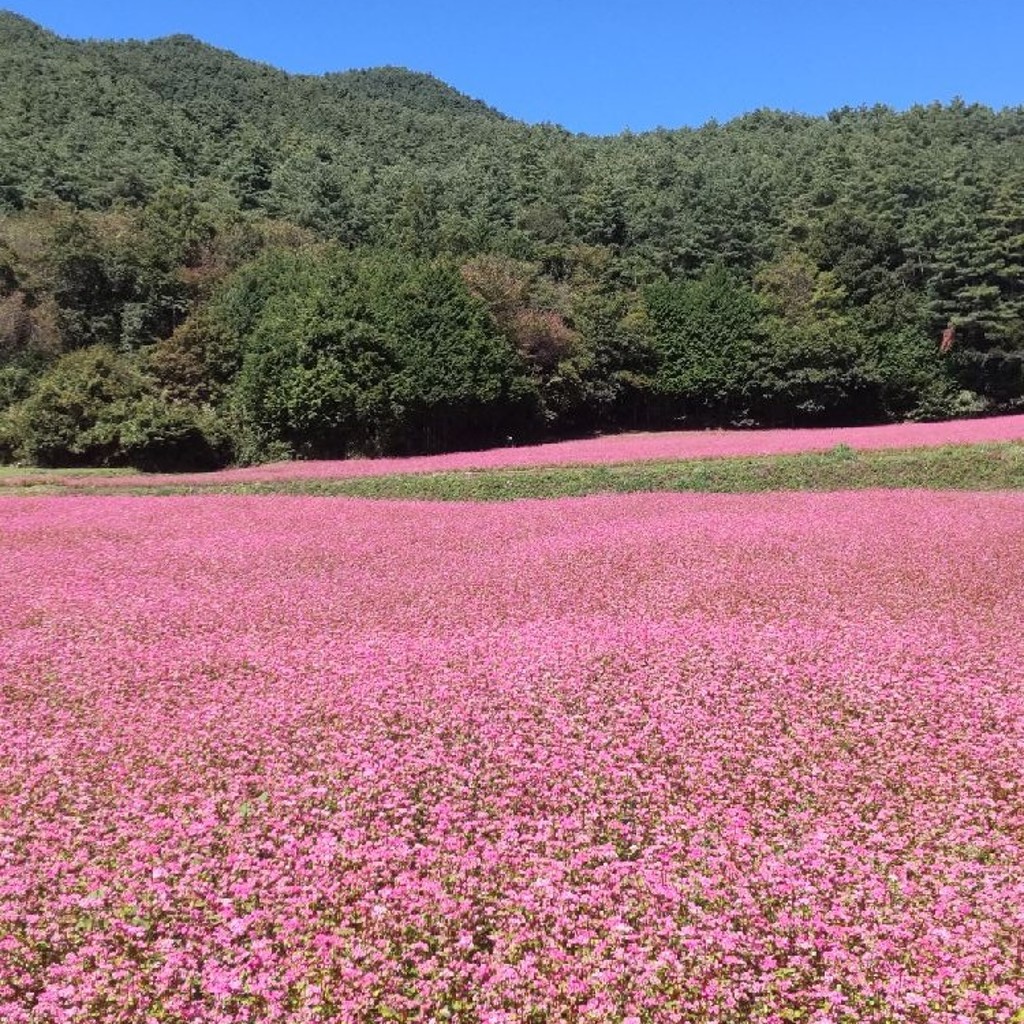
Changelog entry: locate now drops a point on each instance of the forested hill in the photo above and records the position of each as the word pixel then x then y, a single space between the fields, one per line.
pixel 96 123
pixel 203 259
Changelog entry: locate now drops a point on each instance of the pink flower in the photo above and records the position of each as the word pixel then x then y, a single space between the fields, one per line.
pixel 648 758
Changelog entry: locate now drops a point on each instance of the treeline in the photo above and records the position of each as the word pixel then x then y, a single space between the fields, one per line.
pixel 204 260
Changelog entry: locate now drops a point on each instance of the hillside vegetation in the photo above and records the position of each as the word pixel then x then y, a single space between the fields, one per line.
pixel 205 260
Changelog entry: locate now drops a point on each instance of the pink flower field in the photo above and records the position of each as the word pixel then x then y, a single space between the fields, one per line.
pixel 690 444
pixel 633 759
pixel 683 444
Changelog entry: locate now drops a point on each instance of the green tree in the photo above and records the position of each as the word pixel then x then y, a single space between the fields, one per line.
pixel 94 407
pixel 356 353
pixel 87 297
pixel 708 335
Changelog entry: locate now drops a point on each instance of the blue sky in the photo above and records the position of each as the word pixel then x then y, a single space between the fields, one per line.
pixel 603 66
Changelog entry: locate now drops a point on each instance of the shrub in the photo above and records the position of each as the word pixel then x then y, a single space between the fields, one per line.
pixel 94 407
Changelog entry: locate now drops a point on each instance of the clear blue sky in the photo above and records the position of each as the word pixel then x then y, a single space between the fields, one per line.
pixel 603 66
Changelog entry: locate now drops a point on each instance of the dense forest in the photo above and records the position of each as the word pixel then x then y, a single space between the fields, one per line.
pixel 206 260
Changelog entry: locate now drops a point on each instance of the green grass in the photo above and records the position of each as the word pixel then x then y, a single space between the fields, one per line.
pixel 955 467
pixel 30 471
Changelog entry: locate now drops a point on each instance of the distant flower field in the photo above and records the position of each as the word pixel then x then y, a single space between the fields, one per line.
pixel 633 447
pixel 625 759
pixel 689 444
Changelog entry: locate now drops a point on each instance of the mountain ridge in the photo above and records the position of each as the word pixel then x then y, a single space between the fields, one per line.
pixel 187 41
